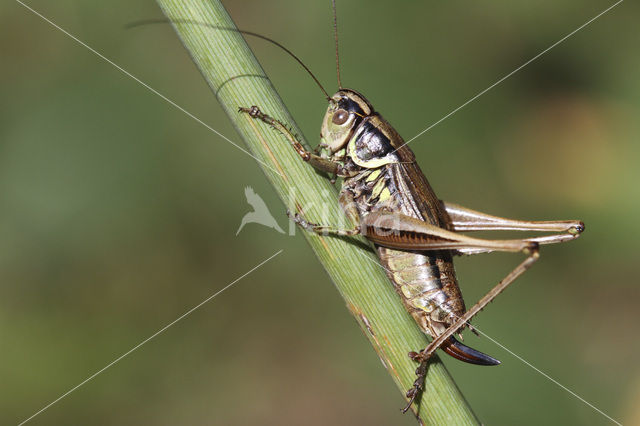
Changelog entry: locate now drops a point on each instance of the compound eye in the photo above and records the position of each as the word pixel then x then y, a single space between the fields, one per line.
pixel 340 117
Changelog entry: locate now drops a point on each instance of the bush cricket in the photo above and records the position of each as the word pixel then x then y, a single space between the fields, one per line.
pixel 415 234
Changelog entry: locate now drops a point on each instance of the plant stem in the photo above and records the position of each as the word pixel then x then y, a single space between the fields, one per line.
pixel 221 55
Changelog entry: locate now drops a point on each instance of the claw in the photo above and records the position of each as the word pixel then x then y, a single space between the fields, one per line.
pixel 467 354
pixel 414 356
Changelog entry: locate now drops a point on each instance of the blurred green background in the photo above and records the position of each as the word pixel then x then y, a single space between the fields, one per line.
pixel 118 213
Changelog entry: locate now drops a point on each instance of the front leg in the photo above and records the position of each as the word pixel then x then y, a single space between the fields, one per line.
pixel 319 163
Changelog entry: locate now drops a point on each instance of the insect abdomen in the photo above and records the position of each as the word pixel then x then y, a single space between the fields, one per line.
pixel 427 285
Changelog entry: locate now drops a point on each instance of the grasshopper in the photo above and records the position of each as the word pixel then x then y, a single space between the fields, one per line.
pixel 415 234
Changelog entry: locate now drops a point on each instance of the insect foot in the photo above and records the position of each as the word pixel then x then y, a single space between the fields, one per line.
pixel 418 384
pixel 298 219
pixel 254 111
pixel 416 356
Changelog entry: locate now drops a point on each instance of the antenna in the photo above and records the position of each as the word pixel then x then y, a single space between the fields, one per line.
pixel 217 27
pixel 335 36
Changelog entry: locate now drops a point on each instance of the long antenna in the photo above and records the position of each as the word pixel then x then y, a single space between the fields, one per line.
pixel 335 36
pixel 217 27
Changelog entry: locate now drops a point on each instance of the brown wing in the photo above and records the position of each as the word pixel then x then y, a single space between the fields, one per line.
pixel 417 198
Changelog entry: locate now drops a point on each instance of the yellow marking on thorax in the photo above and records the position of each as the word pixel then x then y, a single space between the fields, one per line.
pixel 373 175
pixel 380 190
pixel 368 164
pixel 385 194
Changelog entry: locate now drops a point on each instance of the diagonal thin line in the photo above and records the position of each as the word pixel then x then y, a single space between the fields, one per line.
pixel 513 72
pixel 148 339
pixel 517 356
pixel 547 376
pixel 145 85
